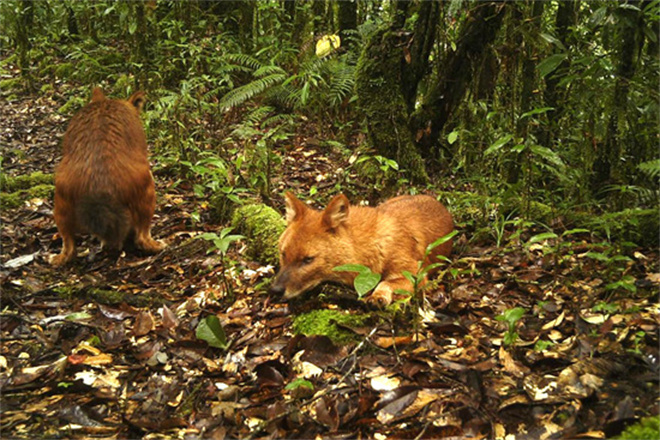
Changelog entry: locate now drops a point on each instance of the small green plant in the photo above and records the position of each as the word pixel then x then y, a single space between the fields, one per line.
pixel 638 342
pixel 210 330
pixel 365 281
pixel 542 345
pixel 299 383
pixel 511 317
pixel 606 307
pixel 221 244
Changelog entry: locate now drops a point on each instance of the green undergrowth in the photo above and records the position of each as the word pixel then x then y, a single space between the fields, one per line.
pixel 262 226
pixel 15 199
pixel 110 297
pixel 10 184
pixel 331 323
pixel 645 429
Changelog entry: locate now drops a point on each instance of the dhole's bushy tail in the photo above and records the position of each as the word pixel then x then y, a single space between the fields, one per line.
pixel 104 217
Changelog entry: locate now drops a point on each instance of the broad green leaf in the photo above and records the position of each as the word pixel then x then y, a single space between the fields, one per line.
pixel 498 144
pixel 550 64
pixel 365 282
pixel 597 256
pixel 299 382
pixel 451 137
pixel 575 231
pixel 78 316
pixel 536 111
pixel 352 268
pixel 511 315
pixel 441 240
pixel 211 331
pixel 542 237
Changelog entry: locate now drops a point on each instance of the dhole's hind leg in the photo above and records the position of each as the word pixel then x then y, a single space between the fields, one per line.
pixel 143 239
pixel 67 232
pixel 145 242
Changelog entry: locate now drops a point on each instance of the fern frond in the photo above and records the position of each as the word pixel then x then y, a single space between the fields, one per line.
pixel 245 60
pixel 268 70
pixel 279 119
pixel 651 168
pixel 241 94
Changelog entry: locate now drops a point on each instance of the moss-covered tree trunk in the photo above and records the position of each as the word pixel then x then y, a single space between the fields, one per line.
pixel 444 96
pixel 386 84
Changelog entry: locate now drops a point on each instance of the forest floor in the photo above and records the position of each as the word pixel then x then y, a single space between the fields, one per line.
pixel 106 347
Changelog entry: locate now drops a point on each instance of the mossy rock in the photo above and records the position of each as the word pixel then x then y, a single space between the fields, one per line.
pixel 262 226
pixel 10 184
pixel 645 429
pixel 330 323
pixel 15 199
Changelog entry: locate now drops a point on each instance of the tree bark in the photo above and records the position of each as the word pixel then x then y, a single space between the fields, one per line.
pixel 417 51
pixel 445 95
pixel 380 97
pixel 528 83
pixel 606 166
pixel 347 18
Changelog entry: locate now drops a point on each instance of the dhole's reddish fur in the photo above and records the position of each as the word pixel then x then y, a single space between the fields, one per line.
pixel 103 186
pixel 389 239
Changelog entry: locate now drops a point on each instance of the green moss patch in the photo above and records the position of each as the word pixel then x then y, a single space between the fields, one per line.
pixel 16 198
pixel 10 184
pixel 645 429
pixel 330 323
pixel 262 226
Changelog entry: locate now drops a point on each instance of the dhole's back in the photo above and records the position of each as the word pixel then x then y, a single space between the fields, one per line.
pixel 103 186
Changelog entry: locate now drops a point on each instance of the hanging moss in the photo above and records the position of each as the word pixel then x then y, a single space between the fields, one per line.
pixel 378 86
pixel 262 226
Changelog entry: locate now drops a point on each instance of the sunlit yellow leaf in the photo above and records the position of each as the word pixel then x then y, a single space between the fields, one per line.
pixel 327 44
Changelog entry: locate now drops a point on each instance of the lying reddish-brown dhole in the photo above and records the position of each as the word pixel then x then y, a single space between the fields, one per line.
pixel 103 185
pixel 389 239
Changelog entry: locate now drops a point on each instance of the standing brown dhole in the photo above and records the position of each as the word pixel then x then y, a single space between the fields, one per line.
pixel 103 186
pixel 389 239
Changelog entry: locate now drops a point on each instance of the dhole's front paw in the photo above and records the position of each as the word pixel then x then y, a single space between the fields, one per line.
pixel 59 260
pixel 381 297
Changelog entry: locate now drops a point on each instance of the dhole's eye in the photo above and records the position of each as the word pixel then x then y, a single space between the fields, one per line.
pixel 307 260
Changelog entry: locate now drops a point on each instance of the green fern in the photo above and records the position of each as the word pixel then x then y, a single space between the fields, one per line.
pixel 244 93
pixel 651 168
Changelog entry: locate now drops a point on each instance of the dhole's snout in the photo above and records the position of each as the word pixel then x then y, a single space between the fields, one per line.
pixel 278 287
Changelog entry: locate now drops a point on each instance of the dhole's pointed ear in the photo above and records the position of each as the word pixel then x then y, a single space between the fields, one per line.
pixel 336 212
pixel 137 100
pixel 97 94
pixel 294 207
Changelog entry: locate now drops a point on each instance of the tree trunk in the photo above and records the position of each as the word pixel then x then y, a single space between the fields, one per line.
pixel 478 33
pixel 607 167
pixel 528 80
pixel 347 18
pixel 378 85
pixel 24 23
pixel 417 51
